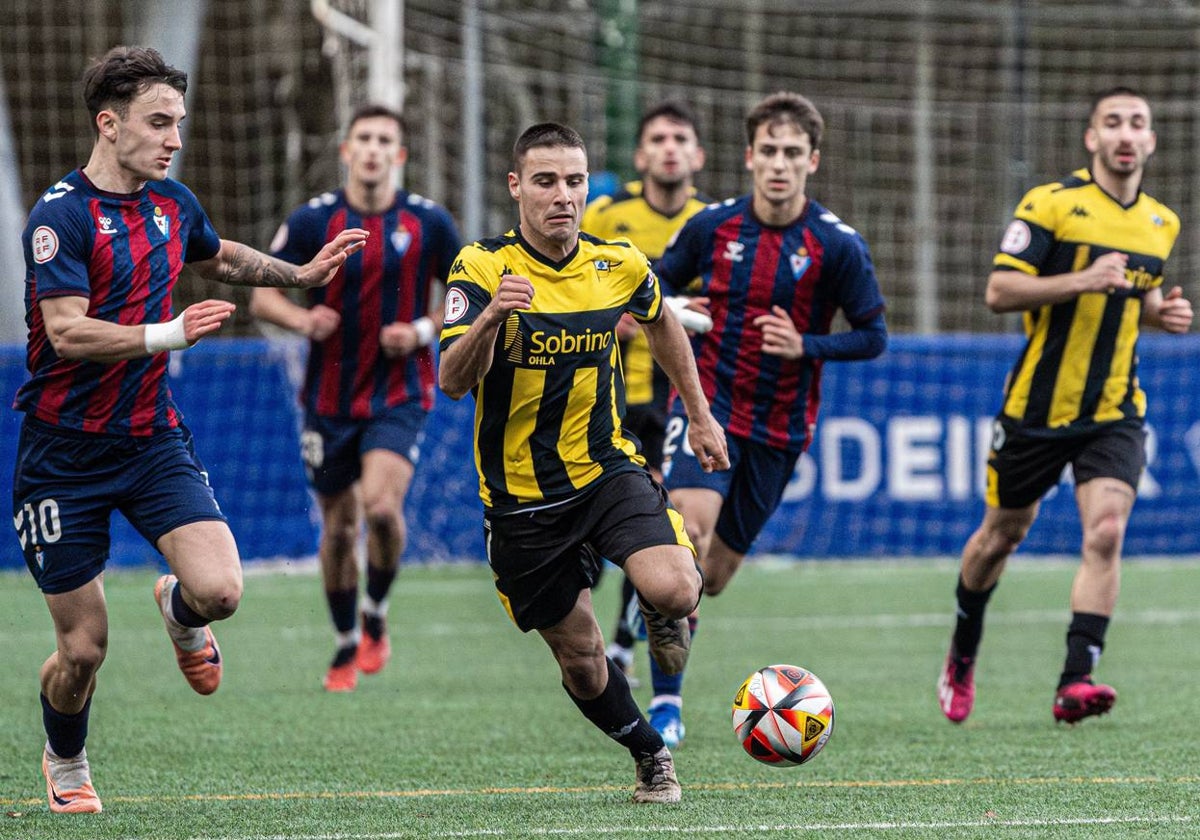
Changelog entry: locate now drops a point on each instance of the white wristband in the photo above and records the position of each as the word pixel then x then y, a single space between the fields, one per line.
pixel 168 336
pixel 425 330
pixel 692 320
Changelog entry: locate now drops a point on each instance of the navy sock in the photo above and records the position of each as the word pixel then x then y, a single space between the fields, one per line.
pixel 968 629
pixel 379 583
pixel 1085 641
pixel 343 608
pixel 66 733
pixel 616 715
pixel 184 614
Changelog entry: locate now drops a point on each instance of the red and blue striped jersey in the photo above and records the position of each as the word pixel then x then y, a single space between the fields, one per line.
pixel 123 253
pixel 811 268
pixel 411 247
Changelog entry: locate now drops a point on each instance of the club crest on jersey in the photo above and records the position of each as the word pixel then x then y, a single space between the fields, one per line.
pixel 104 225
pixel 162 222
pixel 44 243
pixel 401 239
pixel 800 262
pixel 606 265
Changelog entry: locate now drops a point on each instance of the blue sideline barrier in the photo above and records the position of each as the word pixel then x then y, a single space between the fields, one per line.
pixel 896 469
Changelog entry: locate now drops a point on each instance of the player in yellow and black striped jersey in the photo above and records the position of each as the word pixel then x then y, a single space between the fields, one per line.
pixel 530 331
pixel 548 419
pixel 1079 367
pixel 1083 259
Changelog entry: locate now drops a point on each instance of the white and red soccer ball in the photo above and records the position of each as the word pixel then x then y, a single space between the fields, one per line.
pixel 783 715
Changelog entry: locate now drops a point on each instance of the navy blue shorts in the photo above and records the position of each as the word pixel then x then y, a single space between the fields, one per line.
pixel 752 487
pixel 332 448
pixel 67 484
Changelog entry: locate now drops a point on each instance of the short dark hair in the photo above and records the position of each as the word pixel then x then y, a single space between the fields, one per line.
pixel 123 73
pixel 674 110
pixel 785 106
pixel 375 109
pixel 545 134
pixel 1115 90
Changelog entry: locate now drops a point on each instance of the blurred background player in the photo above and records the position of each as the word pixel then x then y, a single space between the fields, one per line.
pixel 103 249
pixel 648 212
pixel 369 384
pixel 1083 260
pixel 530 331
pixel 775 268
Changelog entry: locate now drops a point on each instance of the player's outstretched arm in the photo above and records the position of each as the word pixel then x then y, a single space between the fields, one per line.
pixel 670 347
pixel 74 335
pixel 241 265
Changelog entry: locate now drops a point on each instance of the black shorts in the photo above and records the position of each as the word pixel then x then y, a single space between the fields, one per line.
pixel 542 559
pixel 647 424
pixel 1023 467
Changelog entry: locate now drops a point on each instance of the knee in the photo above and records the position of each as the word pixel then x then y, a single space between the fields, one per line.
pixel 383 518
pixel 714 585
pixel 219 599
pixel 679 601
pixel 80 659
pixel 1001 541
pixel 584 670
pixel 1105 537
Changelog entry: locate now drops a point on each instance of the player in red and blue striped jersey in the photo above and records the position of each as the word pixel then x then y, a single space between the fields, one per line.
pixel 773 268
pixel 103 249
pixel 370 377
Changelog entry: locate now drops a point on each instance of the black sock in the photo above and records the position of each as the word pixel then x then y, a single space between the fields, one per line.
pixel 1085 641
pixel 343 608
pixel 66 733
pixel 968 629
pixel 624 634
pixel 379 583
pixel 184 614
pixel 616 715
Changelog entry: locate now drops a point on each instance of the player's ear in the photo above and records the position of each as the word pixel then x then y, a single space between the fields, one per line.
pixel 106 124
pixel 750 158
pixel 698 158
pixel 814 160
pixel 1091 140
pixel 401 155
pixel 514 186
pixel 344 153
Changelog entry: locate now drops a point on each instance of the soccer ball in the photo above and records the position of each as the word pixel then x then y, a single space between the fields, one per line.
pixel 783 715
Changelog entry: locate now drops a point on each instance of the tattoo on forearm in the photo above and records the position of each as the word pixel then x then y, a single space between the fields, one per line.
pixel 246 267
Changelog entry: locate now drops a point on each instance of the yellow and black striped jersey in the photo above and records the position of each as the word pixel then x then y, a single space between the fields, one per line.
pixel 627 214
pixel 547 413
pixel 1079 365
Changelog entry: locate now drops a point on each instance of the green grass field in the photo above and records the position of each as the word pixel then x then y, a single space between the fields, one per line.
pixel 468 733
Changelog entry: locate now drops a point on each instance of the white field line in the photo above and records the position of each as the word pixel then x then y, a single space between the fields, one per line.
pixel 727 830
